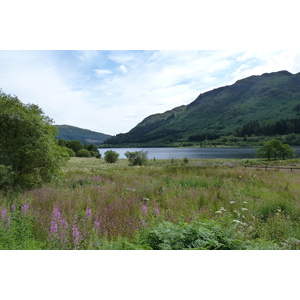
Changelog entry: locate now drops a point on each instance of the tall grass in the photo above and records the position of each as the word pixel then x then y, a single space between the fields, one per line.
pixel 164 205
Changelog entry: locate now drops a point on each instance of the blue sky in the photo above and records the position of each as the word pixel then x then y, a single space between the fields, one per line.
pixel 112 91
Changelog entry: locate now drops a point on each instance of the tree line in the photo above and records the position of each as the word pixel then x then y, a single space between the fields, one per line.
pixel 269 127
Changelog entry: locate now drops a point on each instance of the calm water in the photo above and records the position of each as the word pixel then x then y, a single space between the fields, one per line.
pixel 192 153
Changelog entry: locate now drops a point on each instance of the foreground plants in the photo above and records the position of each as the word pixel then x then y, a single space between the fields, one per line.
pixel 215 205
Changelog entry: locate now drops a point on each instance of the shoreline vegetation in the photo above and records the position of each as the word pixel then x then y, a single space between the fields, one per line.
pixel 165 204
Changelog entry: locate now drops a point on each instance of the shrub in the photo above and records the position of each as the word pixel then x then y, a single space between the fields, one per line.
pixel 70 152
pixel 111 156
pixel 137 158
pixel 197 235
pixel 27 143
pixel 83 153
pixel 74 145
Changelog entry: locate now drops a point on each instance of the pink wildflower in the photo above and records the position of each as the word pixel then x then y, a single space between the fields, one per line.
pixel 56 213
pixel 76 236
pixel 156 210
pixel 144 209
pixel 88 212
pixel 53 228
pixel 3 214
pixel 25 208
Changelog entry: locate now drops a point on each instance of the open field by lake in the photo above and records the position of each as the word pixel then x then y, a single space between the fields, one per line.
pixel 196 204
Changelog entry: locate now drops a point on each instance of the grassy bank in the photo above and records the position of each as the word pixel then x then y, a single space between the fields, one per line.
pixel 202 204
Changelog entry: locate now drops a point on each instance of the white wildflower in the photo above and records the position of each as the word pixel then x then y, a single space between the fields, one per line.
pixel 218 212
pixel 232 202
pixel 244 208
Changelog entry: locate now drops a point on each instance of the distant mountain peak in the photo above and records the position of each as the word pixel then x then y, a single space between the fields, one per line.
pixel 222 111
pixel 70 133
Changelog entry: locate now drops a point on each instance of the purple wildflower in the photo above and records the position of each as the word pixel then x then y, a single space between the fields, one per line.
pixel 3 214
pixel 144 209
pixel 56 213
pixel 53 228
pixel 156 210
pixel 14 208
pixel 88 212
pixel 97 224
pixel 63 230
pixel 76 235
pixel 25 208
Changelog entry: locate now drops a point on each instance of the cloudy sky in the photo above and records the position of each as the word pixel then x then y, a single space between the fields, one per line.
pixel 112 91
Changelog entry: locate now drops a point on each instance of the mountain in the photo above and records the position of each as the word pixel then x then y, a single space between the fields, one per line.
pixel 70 133
pixel 261 105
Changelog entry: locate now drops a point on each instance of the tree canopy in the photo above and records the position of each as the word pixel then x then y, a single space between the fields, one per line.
pixel 275 149
pixel 29 153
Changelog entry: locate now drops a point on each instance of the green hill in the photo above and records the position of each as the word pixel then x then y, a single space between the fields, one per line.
pixel 261 105
pixel 70 133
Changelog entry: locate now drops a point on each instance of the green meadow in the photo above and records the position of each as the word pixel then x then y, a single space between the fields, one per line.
pixel 165 205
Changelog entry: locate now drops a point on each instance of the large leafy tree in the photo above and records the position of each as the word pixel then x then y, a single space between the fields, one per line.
pixel 29 153
pixel 275 149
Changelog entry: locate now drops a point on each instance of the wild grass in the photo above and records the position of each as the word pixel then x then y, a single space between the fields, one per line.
pixel 199 204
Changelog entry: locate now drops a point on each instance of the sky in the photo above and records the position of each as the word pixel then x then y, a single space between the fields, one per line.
pixel 111 91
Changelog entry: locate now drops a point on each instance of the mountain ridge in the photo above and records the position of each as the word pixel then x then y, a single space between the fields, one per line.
pixel 85 136
pixel 265 98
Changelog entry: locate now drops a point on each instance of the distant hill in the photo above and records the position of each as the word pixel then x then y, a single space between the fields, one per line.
pixel 261 105
pixel 70 133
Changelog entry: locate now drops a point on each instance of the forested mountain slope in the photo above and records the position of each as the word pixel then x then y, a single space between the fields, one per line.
pixel 261 105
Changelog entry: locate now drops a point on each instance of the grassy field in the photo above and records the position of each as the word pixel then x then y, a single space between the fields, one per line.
pixel 199 204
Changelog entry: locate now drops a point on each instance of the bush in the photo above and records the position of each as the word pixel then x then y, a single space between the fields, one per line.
pixel 83 153
pixel 27 144
pixel 137 158
pixel 111 156
pixel 70 152
pixel 197 235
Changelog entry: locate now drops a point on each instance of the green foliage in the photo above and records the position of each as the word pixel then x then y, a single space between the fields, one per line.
pixel 83 153
pixel 27 145
pixel 196 235
pixel 137 158
pixel 74 145
pixel 17 232
pixel 111 156
pixel 275 149
pixel 70 152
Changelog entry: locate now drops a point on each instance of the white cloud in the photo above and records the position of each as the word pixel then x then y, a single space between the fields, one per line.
pixel 102 72
pixel 79 92
pixel 123 69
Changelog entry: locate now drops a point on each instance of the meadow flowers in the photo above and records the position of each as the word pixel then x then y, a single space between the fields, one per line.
pixel 156 211
pixel 144 209
pixel 53 228
pixel 3 214
pixel 76 236
pixel 88 212
pixel 25 208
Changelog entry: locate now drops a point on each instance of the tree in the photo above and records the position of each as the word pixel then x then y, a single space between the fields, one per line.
pixel 274 149
pixel 287 151
pixel 137 158
pixel 75 145
pixel 29 153
pixel 111 156
pixel 83 153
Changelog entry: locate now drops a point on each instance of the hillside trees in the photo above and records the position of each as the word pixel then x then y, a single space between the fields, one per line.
pixel 29 153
